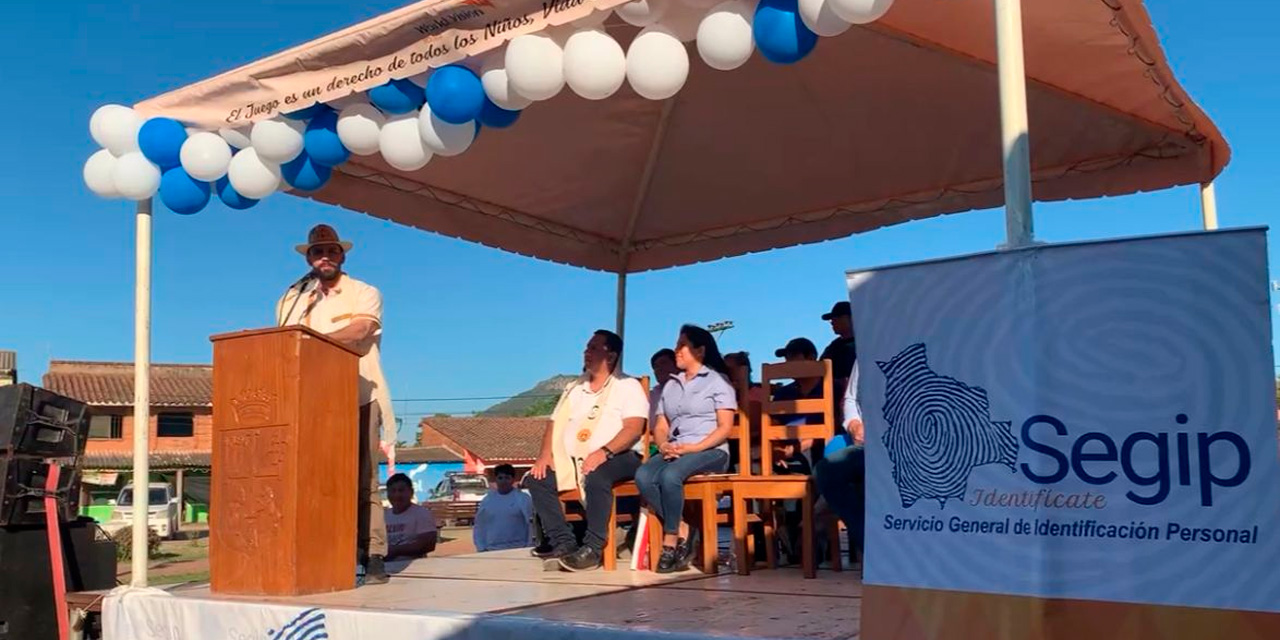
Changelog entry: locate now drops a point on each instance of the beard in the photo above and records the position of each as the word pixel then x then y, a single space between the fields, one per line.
pixel 327 273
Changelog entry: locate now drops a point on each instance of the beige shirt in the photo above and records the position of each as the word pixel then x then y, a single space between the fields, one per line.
pixel 326 313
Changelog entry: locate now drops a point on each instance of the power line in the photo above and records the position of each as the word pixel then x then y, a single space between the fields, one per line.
pixel 548 395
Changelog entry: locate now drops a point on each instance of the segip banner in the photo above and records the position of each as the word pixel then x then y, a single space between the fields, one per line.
pixel 1092 421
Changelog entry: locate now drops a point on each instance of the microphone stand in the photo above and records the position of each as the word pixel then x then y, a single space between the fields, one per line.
pixel 301 285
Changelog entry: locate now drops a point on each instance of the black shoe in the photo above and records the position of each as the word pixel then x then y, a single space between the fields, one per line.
pixel 669 560
pixel 554 552
pixel 375 571
pixel 586 558
pixel 685 550
pixel 542 550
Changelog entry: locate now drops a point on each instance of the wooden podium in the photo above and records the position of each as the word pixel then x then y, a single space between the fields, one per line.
pixel 282 514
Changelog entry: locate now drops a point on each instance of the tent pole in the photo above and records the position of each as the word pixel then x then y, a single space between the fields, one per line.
pixel 141 392
pixel 620 323
pixel 1208 206
pixel 1019 229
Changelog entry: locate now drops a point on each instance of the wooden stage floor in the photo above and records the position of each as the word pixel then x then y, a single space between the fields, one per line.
pixel 510 584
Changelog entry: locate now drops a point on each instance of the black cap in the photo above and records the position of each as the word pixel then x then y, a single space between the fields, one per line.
pixel 800 346
pixel 840 309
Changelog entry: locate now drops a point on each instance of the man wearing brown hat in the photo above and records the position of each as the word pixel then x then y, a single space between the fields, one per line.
pixel 350 312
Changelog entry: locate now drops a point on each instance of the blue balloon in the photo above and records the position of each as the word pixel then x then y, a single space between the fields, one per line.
pixel 230 197
pixel 780 32
pixel 182 193
pixel 494 116
pixel 397 96
pixel 455 94
pixel 308 112
pixel 321 140
pixel 305 173
pixel 160 140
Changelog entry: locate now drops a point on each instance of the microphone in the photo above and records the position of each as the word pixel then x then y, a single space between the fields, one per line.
pixel 299 285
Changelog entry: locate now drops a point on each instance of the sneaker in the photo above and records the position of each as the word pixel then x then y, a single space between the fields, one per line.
pixel 668 562
pixel 586 558
pixel 554 552
pixel 375 571
pixel 542 550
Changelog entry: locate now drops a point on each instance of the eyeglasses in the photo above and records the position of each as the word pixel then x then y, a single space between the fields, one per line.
pixel 324 250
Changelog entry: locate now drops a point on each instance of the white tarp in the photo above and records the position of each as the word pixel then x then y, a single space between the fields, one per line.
pixel 151 614
pixel 1092 421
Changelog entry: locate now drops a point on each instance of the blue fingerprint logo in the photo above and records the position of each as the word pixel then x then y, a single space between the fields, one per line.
pixel 939 430
pixel 308 625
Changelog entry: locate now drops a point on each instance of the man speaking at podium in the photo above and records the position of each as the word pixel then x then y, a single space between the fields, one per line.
pixel 350 312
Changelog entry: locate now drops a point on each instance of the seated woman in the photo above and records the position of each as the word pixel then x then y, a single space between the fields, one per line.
pixel 694 419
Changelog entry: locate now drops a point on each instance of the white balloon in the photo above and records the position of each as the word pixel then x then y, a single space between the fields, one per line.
pixel 725 41
pixel 205 156
pixel 115 127
pixel 595 65
pixel 682 20
pixel 278 140
pixel 238 138
pixel 497 85
pixel 251 176
pixel 135 177
pixel 359 126
pixel 443 138
pixel 822 19
pixel 401 143
pixel 99 174
pixel 643 13
pixel 860 11
pixel 535 66
pixel 657 63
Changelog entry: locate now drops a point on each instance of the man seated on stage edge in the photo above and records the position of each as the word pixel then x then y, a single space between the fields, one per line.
pixel 590 445
pixel 411 528
pixel 349 311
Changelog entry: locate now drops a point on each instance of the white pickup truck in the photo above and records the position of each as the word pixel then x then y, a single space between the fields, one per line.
pixel 162 510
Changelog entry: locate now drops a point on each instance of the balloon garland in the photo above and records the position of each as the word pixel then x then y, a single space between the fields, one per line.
pixel 408 121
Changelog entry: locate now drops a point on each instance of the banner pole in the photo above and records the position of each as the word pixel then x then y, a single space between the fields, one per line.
pixel 141 393
pixel 1014 127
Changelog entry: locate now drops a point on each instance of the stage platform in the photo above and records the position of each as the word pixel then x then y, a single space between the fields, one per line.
pixel 508 595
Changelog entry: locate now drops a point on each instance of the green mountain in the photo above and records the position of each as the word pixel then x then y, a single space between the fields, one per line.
pixel 538 401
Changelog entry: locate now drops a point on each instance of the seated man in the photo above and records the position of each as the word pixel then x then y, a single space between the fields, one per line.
pixel 590 445
pixel 411 528
pixel 789 455
pixel 504 519
pixel 840 477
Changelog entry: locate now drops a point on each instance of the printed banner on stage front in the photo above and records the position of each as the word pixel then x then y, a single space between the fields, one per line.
pixel 1093 421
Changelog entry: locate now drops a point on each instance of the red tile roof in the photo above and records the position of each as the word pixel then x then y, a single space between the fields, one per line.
pixel 417 455
pixel 111 383
pixel 493 439
pixel 159 460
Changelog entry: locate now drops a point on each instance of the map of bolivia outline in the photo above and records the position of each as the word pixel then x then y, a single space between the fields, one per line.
pixel 939 429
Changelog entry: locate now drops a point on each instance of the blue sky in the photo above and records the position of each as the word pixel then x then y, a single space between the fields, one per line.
pixel 463 320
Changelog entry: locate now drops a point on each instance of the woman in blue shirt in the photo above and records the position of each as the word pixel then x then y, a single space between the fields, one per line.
pixel 694 418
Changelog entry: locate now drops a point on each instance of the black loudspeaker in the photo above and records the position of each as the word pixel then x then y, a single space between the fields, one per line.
pixel 27 609
pixel 22 481
pixel 38 422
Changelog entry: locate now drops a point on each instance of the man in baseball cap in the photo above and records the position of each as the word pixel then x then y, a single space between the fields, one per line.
pixel 843 350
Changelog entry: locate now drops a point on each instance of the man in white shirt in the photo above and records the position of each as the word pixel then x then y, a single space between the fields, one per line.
pixel 590 445
pixel 411 528
pixel 350 312
pixel 504 518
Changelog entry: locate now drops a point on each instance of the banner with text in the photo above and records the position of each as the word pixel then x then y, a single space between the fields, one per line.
pixel 1093 421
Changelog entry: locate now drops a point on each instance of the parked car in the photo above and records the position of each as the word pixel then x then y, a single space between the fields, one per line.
pixel 162 509
pixel 463 487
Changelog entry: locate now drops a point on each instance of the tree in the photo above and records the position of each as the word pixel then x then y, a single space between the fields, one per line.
pixel 541 407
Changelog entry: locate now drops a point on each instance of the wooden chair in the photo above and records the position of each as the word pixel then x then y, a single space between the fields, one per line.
pixel 767 486
pixel 706 490
pixel 626 489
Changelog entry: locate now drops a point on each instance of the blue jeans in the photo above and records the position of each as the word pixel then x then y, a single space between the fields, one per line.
pixel 661 482
pixel 841 479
